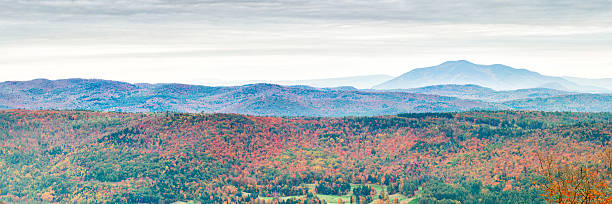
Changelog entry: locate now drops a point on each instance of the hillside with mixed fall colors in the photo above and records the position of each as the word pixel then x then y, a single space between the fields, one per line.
pixel 277 100
pixel 471 157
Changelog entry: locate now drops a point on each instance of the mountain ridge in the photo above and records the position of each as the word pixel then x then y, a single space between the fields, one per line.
pixel 496 76
pixel 476 92
pixel 257 99
pixel 263 99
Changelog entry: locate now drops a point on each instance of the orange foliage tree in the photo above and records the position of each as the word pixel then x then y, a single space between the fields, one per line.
pixel 576 183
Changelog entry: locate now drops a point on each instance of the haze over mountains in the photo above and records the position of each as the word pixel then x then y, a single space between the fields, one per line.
pixel 496 76
pixel 270 99
pixel 603 83
pixel 465 86
pixel 475 92
pixel 257 99
pixel 360 82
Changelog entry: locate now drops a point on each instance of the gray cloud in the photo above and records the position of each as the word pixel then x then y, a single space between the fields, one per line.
pixel 468 11
pixel 281 39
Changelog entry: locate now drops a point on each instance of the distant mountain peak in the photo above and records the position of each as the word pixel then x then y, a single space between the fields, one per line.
pixel 461 72
pixel 458 62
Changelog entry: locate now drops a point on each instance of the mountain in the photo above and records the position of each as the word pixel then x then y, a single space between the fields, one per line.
pixel 277 100
pixel 475 92
pixel 605 83
pixel 360 82
pixel 496 76
pixel 257 99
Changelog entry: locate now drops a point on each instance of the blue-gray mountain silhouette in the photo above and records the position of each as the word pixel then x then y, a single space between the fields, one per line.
pixel 496 76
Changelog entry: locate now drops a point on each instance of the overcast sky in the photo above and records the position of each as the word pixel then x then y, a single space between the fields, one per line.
pixel 202 41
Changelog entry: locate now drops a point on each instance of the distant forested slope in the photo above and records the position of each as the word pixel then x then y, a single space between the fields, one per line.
pixel 276 100
pixel 475 92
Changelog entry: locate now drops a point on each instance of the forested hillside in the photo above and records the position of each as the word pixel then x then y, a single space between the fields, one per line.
pixel 277 100
pixel 475 92
pixel 576 102
pixel 253 99
pixel 470 157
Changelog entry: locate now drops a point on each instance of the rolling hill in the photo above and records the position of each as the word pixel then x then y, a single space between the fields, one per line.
pixel 575 103
pixel 476 92
pixel 257 99
pixel 277 100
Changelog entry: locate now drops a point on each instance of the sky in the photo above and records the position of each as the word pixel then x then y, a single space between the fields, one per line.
pixel 220 41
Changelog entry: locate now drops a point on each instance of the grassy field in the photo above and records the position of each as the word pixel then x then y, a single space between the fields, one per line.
pixel 347 198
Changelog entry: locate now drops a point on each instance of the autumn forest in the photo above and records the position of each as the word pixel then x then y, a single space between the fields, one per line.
pixel 467 157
